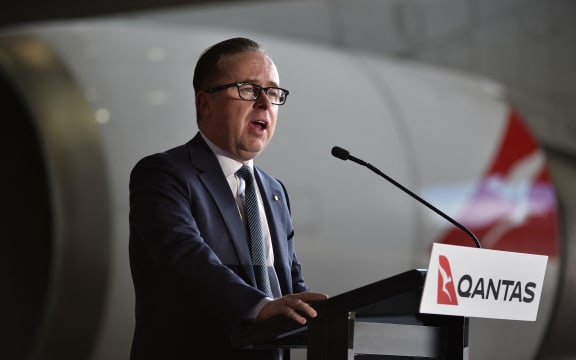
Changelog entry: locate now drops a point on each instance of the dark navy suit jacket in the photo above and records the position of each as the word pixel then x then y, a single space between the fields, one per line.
pixel 189 255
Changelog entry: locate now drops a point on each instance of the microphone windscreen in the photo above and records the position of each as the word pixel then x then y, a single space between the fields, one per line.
pixel 340 153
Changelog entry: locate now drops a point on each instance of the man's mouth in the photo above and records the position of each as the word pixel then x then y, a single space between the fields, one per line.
pixel 261 124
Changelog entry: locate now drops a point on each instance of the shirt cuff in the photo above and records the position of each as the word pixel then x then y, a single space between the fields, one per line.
pixel 253 313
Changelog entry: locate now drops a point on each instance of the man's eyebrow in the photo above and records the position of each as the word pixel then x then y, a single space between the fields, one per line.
pixel 255 82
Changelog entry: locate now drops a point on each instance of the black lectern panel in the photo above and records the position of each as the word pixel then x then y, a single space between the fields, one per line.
pixel 379 319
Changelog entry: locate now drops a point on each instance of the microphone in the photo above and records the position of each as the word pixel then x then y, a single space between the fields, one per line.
pixel 344 154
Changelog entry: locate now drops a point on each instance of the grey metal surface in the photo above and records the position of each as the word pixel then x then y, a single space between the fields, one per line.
pixel 396 339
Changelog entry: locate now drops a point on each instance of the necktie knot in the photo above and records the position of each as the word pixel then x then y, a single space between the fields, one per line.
pixel 245 173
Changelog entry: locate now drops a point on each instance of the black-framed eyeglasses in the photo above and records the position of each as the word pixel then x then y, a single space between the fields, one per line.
pixel 251 92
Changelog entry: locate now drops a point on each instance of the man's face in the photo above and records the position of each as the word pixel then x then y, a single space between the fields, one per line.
pixel 242 128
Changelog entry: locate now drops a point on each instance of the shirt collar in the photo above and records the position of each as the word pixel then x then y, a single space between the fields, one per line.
pixel 228 164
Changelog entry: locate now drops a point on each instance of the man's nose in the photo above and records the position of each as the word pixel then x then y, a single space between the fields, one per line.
pixel 263 101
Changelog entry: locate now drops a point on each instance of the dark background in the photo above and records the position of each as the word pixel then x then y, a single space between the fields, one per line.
pixel 24 11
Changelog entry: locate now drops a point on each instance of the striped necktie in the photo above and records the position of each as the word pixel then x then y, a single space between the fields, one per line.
pixel 255 231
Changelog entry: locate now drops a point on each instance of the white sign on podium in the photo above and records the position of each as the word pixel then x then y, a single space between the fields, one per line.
pixel 472 282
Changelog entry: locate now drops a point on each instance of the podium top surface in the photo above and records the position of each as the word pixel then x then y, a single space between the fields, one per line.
pixel 382 290
pixel 396 295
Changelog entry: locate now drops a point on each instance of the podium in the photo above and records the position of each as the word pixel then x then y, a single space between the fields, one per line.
pixel 377 321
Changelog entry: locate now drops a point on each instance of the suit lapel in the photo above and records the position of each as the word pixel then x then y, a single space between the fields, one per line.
pixel 214 181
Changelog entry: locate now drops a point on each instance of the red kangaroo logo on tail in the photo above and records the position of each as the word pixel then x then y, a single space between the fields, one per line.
pixel 446 291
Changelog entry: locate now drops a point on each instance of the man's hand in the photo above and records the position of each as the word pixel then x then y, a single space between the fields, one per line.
pixel 294 306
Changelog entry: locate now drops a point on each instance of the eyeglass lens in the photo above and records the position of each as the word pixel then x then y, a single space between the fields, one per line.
pixel 253 92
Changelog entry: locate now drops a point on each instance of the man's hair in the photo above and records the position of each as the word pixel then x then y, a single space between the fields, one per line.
pixel 209 66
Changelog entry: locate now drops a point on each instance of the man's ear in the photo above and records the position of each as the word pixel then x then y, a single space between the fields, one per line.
pixel 203 104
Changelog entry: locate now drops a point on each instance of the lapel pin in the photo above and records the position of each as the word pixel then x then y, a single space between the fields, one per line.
pixel 275 197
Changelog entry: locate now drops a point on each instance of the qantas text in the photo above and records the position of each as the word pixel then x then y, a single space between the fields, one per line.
pixel 504 290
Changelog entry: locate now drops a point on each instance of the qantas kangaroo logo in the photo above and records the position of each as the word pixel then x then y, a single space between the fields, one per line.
pixel 446 291
pixel 514 206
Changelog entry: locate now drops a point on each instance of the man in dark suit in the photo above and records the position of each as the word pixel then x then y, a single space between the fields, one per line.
pixel 190 251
